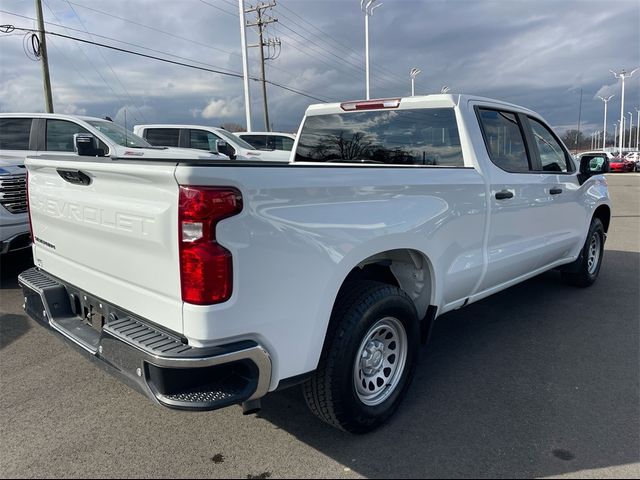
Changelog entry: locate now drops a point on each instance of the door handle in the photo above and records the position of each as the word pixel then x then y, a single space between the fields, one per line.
pixel 504 194
pixel 555 191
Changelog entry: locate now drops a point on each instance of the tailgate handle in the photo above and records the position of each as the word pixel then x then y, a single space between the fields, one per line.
pixel 76 177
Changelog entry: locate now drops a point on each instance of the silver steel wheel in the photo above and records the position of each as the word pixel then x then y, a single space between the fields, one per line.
pixel 380 361
pixel 593 255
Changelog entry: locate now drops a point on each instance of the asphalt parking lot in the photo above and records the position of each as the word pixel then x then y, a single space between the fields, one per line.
pixel 540 380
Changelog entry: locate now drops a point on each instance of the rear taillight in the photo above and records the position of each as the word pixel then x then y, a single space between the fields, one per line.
pixel 206 272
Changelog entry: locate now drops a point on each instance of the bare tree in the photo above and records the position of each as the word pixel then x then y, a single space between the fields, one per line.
pixel 233 127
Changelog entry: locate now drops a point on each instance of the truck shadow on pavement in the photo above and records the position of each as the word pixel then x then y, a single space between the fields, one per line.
pixel 12 327
pixel 541 379
pixel 12 265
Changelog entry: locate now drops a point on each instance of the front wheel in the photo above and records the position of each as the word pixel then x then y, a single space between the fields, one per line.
pixel 584 271
pixel 368 358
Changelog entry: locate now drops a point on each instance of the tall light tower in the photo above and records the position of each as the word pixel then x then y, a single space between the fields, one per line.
pixel 604 135
pixel 245 65
pixel 638 130
pixel 413 74
pixel 616 132
pixel 622 75
pixel 630 128
pixel 367 6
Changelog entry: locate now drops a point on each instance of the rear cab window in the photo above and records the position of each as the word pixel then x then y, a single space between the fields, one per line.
pixel 425 136
pixel 504 139
pixel 256 141
pixel 163 137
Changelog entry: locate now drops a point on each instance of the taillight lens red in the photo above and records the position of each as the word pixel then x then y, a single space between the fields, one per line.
pixel 206 271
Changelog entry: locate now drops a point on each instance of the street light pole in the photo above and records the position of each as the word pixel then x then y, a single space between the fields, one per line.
pixel 413 74
pixel 638 130
pixel 616 132
pixel 367 7
pixel 630 128
pixel 604 135
pixel 245 65
pixel 622 75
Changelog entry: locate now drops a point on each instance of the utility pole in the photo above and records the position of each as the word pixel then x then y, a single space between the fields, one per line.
pixel 44 58
pixel 245 65
pixel 261 22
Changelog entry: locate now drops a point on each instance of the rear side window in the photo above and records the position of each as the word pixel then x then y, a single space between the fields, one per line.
pixel 504 140
pixel 60 135
pixel 552 155
pixel 163 137
pixel 14 133
pixel 256 141
pixel 427 136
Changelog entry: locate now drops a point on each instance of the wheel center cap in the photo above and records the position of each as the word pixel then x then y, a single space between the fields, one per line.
pixel 372 358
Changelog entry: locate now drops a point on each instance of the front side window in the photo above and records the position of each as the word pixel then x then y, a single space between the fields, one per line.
pixel 203 140
pixel 552 156
pixel 60 135
pixel 504 140
pixel 119 134
pixel 163 137
pixel 14 133
pixel 283 143
pixel 427 136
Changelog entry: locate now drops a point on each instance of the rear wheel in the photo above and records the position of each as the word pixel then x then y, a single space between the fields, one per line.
pixel 368 358
pixel 584 271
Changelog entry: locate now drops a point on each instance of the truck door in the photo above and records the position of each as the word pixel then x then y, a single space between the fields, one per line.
pixel 518 226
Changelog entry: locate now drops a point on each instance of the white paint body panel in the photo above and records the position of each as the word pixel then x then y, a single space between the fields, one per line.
pixel 303 228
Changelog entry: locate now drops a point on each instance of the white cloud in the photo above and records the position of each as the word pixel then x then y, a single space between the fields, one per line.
pixel 223 108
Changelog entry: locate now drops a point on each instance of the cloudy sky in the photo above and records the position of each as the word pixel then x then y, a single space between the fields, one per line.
pixel 536 53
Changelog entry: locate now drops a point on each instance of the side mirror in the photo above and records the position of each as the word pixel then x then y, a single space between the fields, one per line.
pixel 226 149
pixel 85 144
pixel 590 166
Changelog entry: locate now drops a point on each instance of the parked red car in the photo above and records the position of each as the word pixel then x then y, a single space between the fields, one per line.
pixel 618 164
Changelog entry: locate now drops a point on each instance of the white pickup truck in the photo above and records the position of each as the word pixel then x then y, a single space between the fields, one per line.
pixel 206 284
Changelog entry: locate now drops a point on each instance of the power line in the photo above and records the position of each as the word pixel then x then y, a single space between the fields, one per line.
pixel 138 110
pixel 341 45
pixel 97 70
pixel 173 62
pixel 320 49
pixel 153 28
pixel 68 28
pixel 218 8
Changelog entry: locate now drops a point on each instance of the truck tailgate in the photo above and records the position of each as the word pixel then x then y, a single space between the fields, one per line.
pixel 111 230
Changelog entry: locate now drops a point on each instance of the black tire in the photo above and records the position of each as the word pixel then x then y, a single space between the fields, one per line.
pixel 331 392
pixel 580 273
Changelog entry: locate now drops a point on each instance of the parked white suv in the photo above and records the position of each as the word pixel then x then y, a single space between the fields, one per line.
pixel 269 140
pixel 202 137
pixel 23 134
